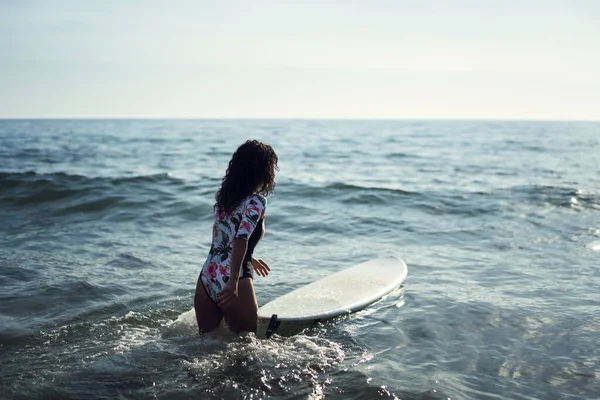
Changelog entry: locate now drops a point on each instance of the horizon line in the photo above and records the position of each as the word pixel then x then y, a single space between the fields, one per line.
pixel 457 119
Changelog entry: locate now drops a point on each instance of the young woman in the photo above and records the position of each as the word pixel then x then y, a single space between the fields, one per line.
pixel 225 288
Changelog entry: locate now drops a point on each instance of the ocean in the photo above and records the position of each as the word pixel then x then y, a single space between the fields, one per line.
pixel 105 224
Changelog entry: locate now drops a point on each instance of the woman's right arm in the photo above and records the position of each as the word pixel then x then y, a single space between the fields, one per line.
pixel 229 292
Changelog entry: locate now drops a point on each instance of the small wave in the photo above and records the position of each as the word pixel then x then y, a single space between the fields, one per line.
pixel 376 196
pixel 585 199
pixel 395 156
pixel 594 246
pixel 184 324
pixel 366 198
pixel 12 333
pixel 430 202
pixel 91 206
pixel 340 189
pixel 51 300
pixel 61 194
pixel 155 178
pixel 340 186
pixel 565 197
pixel 46 305
pixel 467 204
pixel 15 272
pixel 129 261
pixel 123 332
pixel 32 179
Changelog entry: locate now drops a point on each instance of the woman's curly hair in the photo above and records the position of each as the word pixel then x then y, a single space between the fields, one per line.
pixel 251 170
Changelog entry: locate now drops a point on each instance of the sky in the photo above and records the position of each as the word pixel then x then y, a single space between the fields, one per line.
pixel 401 59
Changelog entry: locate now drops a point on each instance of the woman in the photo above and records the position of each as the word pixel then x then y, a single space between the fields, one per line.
pixel 225 288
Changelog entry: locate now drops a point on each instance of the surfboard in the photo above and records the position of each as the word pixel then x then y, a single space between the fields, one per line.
pixel 349 290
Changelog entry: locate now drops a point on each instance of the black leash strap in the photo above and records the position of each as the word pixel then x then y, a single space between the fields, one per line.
pixel 273 325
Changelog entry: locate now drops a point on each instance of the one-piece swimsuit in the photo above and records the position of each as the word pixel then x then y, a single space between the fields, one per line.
pixel 245 222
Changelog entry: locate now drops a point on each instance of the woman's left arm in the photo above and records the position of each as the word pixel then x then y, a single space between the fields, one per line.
pixel 261 267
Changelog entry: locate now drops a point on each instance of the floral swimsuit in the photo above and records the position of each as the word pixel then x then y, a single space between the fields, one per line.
pixel 245 222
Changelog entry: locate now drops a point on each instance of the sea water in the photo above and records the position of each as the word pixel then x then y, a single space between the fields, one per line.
pixel 104 225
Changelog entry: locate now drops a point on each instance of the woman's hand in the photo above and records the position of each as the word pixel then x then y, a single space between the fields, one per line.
pixel 229 292
pixel 260 267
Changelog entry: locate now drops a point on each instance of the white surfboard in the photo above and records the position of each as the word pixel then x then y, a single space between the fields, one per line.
pixel 343 292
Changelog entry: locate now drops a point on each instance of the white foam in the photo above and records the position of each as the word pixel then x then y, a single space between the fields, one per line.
pixel 184 325
pixel 594 246
pixel 298 353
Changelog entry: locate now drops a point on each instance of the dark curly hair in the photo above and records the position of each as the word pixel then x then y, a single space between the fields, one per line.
pixel 251 170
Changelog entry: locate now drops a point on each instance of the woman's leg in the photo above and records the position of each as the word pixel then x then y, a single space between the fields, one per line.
pixel 241 314
pixel 208 313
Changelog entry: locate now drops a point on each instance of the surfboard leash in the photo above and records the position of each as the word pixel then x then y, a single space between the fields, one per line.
pixel 273 325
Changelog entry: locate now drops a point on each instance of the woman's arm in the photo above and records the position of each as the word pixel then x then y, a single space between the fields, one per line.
pixel 239 248
pixel 230 290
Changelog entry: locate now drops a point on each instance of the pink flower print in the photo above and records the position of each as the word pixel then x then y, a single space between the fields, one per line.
pixel 223 271
pixel 245 226
pixel 212 269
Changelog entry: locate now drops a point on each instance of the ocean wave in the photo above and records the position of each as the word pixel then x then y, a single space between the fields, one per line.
pixel 558 196
pixel 341 186
pixel 61 194
pixel 48 300
pixel 303 189
pixel 32 179
pixel 433 202
pixel 394 156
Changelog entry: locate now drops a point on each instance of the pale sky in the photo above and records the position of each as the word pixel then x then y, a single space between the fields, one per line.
pixel 480 59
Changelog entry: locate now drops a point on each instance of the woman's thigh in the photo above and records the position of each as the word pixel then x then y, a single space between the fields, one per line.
pixel 208 313
pixel 242 313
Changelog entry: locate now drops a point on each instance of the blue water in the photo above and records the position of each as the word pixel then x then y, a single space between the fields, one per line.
pixel 105 224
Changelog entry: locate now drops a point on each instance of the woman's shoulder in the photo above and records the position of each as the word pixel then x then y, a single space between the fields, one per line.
pixel 257 199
